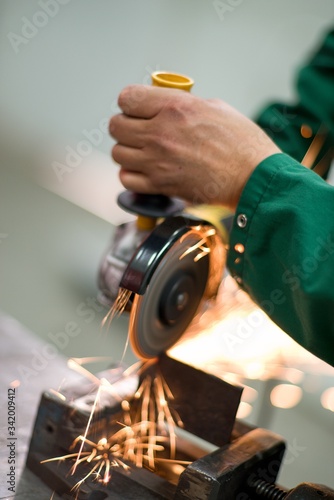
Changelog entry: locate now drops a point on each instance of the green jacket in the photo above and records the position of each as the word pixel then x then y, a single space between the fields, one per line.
pixel 282 240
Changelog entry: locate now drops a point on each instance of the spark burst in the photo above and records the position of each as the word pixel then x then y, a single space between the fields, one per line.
pixel 203 244
pixel 145 435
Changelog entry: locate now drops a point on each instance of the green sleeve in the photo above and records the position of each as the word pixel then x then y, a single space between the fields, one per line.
pixel 282 250
pixel 314 108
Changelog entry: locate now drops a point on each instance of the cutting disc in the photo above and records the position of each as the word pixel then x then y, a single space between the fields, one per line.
pixel 179 284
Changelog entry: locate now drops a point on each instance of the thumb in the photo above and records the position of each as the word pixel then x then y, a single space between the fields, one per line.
pixel 145 101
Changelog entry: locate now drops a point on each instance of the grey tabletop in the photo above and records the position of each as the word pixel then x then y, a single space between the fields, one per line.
pixel 23 362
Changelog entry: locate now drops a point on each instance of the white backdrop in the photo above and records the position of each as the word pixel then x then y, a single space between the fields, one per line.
pixel 64 61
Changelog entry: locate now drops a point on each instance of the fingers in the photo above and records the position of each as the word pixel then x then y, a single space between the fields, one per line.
pixel 144 101
pixel 136 182
pixel 128 131
pixel 129 158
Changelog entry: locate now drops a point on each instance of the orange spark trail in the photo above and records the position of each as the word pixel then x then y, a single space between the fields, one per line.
pixel 87 428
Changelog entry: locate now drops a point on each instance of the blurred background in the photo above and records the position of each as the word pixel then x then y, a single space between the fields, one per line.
pixel 63 64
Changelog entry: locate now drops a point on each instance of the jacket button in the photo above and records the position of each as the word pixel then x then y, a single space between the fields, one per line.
pixel 242 220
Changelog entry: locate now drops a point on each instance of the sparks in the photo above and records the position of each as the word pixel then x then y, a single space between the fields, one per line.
pixel 203 244
pixel 87 429
pixel 116 310
pixel 76 366
pixel 118 306
pixel 102 455
pixel 145 432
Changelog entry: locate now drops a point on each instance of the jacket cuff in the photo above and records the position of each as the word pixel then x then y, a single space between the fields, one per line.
pixel 243 229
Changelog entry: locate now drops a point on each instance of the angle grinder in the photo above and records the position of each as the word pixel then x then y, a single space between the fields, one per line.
pixel 171 259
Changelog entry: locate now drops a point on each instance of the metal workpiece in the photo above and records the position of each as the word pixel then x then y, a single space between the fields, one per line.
pixel 207 404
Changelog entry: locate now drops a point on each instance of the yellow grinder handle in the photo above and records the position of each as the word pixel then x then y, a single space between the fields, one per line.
pixel 172 80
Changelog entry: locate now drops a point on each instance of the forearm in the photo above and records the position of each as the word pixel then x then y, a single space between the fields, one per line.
pixel 282 251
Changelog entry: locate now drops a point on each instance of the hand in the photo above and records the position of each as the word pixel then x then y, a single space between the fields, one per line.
pixel 174 143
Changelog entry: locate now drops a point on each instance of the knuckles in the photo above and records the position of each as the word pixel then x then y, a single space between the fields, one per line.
pixel 164 130
pixel 179 108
